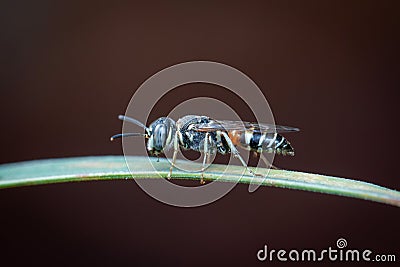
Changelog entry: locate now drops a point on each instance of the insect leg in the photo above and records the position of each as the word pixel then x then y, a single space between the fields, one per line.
pixel 235 153
pixel 174 155
pixel 266 161
pixel 205 159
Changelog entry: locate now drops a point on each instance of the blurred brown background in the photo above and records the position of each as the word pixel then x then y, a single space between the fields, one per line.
pixel 68 68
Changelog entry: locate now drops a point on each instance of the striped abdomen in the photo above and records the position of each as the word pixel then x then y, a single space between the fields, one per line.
pixel 262 142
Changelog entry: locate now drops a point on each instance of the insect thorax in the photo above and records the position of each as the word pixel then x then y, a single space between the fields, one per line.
pixel 189 138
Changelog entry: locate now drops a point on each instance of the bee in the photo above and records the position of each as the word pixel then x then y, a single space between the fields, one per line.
pixel 210 136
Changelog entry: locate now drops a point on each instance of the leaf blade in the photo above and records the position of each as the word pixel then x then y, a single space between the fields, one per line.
pixel 95 168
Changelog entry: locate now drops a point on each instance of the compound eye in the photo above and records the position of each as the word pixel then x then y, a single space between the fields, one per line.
pixel 160 137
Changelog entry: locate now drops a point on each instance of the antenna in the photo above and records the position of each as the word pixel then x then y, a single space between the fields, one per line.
pixel 126 135
pixel 132 120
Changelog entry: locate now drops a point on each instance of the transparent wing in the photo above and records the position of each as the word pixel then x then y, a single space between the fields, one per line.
pixel 215 125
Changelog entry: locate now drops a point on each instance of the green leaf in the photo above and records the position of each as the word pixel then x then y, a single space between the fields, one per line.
pixel 114 167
